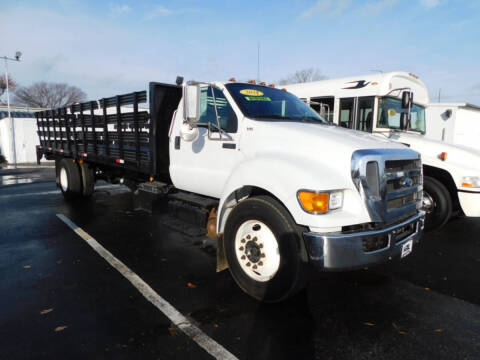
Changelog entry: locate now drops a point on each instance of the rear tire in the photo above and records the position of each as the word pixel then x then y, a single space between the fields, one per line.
pixel 69 179
pixel 437 203
pixel 263 246
pixel 88 180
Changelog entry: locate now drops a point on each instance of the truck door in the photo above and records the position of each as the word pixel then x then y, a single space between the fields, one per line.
pixel 204 165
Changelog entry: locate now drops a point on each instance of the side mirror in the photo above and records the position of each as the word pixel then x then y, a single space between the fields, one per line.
pixel 188 132
pixel 407 99
pixel 404 121
pixel 191 103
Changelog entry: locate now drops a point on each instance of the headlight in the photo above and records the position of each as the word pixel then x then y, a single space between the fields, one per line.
pixel 320 202
pixel 471 181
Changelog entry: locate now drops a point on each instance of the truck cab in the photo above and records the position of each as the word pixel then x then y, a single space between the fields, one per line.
pixel 349 199
pixel 374 104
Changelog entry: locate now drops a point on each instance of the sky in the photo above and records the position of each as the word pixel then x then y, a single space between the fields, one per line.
pixel 113 47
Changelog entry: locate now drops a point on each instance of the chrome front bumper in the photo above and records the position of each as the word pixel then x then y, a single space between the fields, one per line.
pixel 346 251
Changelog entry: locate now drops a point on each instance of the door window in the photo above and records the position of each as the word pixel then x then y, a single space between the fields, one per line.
pixel 226 115
pixel 365 114
pixel 346 112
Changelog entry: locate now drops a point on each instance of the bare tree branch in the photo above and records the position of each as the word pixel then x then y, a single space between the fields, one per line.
pixel 49 95
pixel 11 84
pixel 302 76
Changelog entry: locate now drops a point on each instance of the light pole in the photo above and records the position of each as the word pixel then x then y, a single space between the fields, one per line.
pixel 18 54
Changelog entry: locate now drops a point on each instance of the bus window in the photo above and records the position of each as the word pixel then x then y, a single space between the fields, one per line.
pixel 365 114
pixel 323 106
pixel 346 112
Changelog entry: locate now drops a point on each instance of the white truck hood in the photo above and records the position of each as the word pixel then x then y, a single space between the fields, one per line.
pixel 329 138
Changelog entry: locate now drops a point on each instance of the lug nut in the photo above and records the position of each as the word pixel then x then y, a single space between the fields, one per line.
pixel 260 246
pixel 241 248
pixel 263 255
pixel 243 257
pixel 254 266
pixel 255 238
pixel 260 263
pixel 248 237
pixel 248 264
pixel 243 240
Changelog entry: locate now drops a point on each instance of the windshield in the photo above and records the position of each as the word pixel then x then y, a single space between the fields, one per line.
pixel 389 110
pixel 270 104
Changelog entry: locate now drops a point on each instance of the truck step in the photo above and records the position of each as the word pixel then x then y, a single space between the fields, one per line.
pixel 155 187
pixel 194 199
pixel 148 194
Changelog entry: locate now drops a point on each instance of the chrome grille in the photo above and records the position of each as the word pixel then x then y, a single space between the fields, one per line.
pixel 390 181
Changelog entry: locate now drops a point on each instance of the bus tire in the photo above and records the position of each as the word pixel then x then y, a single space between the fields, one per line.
pixel 263 246
pixel 437 203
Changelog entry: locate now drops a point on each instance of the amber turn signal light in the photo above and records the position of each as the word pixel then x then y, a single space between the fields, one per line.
pixel 313 202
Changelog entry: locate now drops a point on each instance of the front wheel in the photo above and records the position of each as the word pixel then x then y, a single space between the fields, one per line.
pixel 437 203
pixel 264 250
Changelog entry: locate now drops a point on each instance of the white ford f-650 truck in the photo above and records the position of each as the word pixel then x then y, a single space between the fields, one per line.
pixel 373 103
pixel 281 189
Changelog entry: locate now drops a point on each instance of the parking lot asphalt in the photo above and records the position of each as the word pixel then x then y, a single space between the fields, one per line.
pixel 59 298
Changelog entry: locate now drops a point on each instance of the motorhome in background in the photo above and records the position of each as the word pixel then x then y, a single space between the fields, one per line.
pixel 373 103
pixel 454 123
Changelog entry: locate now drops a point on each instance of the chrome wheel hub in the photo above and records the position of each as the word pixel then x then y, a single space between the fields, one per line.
pixel 257 252
pixel 428 203
pixel 63 179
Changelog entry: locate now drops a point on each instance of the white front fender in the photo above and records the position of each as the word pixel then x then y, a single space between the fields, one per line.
pixel 283 175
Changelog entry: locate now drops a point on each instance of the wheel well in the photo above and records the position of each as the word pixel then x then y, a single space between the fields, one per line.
pixel 238 195
pixel 446 179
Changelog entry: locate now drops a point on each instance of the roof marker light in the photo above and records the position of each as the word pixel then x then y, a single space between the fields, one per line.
pixel 271 85
pixel 232 79
pixel 252 82
pixel 263 83
pixel 443 156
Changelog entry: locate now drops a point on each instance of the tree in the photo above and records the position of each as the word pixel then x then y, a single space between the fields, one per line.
pixel 302 76
pixel 11 84
pixel 49 95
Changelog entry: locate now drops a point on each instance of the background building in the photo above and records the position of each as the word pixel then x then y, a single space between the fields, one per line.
pixel 26 137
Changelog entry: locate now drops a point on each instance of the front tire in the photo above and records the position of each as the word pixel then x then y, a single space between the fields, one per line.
pixel 263 246
pixel 437 203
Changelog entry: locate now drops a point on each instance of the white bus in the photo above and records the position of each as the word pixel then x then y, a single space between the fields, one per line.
pixel 373 103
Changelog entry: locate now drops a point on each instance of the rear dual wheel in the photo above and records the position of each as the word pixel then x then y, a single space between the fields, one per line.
pixel 75 181
pixel 264 250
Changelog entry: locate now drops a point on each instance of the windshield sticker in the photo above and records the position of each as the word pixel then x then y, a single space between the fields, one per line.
pixel 392 112
pixel 251 92
pixel 257 98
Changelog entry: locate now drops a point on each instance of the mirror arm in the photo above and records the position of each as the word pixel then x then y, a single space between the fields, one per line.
pixel 216 112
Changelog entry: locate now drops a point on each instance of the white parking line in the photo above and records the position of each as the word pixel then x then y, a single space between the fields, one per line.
pixel 197 335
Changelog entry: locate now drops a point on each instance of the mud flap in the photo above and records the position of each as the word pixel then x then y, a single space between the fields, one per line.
pixel 222 262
